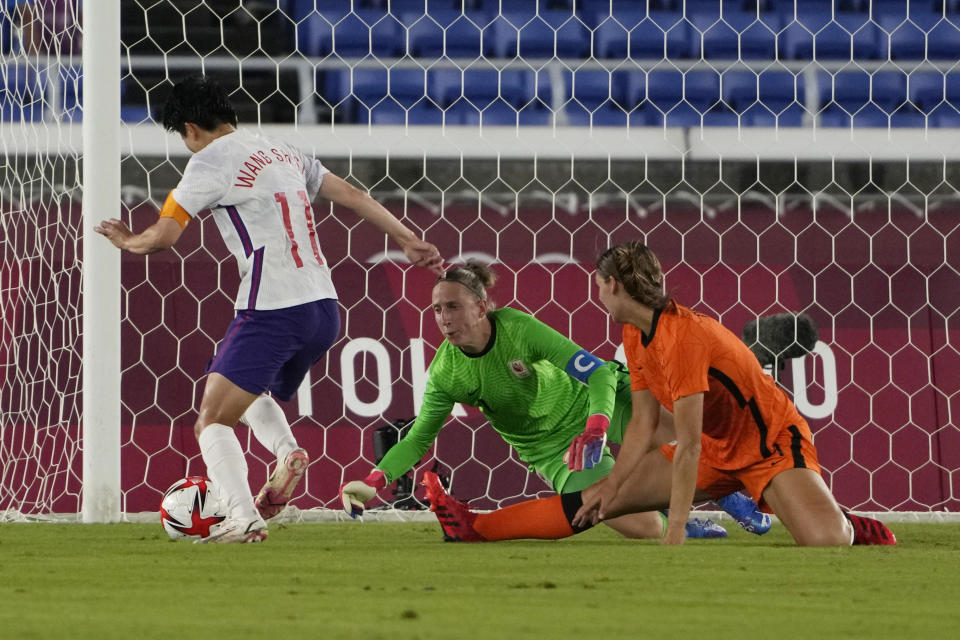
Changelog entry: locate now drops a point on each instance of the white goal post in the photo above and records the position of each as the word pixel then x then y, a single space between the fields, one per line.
pixel 102 355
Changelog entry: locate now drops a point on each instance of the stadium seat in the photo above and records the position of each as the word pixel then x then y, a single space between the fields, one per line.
pixel 701 89
pixel 888 90
pixel 902 40
pixel 538 36
pixel 682 98
pixel 481 87
pixel 777 91
pixel 946 115
pixel 933 38
pixel 595 88
pixel 456 34
pixel 664 89
pixel 643 36
pixel 389 112
pixel 907 116
pixel 21 93
pixel 759 115
pixel 721 116
pixel 370 86
pixel 943 40
pixel 499 113
pixel 738 35
pixel 926 89
pixel 407 86
pixel 320 24
pixel 843 36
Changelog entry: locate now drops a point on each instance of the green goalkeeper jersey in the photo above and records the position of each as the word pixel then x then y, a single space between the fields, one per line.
pixel 535 386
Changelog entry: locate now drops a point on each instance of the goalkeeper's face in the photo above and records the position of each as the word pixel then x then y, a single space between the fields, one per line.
pixel 461 316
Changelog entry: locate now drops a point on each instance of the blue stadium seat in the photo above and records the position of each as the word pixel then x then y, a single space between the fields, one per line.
pixel 907 116
pixel 759 115
pixel 902 40
pixel 21 93
pixel 370 86
pixel 368 32
pixel 926 89
pixel 683 98
pixel 888 90
pixel 595 88
pixel 500 113
pixel 777 91
pixel 739 35
pixel 701 89
pixel 933 38
pixel 843 36
pixel 946 115
pixel 332 10
pixel 390 113
pixel 664 89
pixel 482 87
pixel 721 116
pixel 851 94
pixel 408 86
pixel 943 40
pixel 643 36
pixel 538 36
pixel 452 32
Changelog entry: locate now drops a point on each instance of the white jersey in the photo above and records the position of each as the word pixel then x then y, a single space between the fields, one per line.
pixel 260 193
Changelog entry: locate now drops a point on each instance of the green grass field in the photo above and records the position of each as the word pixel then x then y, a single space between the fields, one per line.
pixel 398 581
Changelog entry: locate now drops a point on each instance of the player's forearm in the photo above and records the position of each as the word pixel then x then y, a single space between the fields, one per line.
pixel 637 438
pixel 375 213
pixel 150 241
pixel 686 460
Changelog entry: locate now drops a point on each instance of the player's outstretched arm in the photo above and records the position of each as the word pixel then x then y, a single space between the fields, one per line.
pixel 419 252
pixel 162 234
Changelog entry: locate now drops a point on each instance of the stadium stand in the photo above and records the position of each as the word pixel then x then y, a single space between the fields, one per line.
pixel 597 62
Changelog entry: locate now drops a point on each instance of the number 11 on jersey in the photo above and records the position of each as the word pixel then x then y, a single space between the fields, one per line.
pixel 281 199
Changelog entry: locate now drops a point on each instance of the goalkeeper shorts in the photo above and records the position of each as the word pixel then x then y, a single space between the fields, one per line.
pixel 272 350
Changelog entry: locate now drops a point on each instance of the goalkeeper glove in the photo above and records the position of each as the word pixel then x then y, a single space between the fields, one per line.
pixel 587 448
pixel 355 493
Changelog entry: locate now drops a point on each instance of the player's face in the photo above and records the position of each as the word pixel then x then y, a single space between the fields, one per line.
pixel 460 315
pixel 606 295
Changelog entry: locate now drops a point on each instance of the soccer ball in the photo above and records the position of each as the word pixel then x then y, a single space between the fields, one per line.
pixel 190 507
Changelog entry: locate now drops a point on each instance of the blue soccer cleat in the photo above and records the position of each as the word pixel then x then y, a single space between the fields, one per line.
pixel 697 528
pixel 745 511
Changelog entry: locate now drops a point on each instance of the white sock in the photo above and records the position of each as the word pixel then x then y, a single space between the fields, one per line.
pixel 227 467
pixel 270 426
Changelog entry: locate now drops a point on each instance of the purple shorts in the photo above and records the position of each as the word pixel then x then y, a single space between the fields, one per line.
pixel 273 350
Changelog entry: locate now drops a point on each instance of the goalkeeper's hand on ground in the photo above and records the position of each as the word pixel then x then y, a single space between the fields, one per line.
pixel 355 493
pixel 587 448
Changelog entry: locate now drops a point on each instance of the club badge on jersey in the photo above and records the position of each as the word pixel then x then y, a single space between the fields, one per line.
pixel 519 369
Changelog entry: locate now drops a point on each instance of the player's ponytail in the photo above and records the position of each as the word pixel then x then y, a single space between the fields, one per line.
pixel 636 267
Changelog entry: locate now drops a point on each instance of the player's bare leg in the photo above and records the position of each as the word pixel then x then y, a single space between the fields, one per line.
pixel 220 409
pixel 805 506
pixel 638 525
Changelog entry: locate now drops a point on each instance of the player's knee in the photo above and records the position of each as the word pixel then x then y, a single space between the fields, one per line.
pixel 825 537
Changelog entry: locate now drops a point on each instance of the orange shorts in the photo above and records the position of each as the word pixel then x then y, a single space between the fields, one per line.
pixel 793 449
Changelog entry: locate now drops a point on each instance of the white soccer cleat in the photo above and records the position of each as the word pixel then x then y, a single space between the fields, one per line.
pixel 234 530
pixel 275 495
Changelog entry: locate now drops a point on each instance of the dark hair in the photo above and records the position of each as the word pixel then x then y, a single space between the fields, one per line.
pixel 200 100
pixel 474 276
pixel 635 266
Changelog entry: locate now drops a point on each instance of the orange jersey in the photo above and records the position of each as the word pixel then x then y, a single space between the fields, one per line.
pixel 743 408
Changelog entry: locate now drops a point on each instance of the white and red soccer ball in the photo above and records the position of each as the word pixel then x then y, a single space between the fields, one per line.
pixel 191 507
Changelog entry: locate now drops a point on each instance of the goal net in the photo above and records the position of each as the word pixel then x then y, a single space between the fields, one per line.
pixel 778 156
